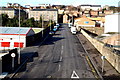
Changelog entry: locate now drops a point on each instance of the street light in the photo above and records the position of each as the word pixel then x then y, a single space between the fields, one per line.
pixel 42 25
pixel 19 38
pixel 50 18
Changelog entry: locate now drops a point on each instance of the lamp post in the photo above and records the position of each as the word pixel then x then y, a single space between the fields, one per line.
pixel 42 25
pixel 19 39
pixel 50 22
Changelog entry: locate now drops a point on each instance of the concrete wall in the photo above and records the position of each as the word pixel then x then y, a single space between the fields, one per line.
pixel 96 30
pixel 112 57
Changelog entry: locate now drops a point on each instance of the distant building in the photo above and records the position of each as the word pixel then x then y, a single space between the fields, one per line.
pixel 93 7
pixel 84 22
pixel 106 12
pixel 9 4
pixel 65 18
pixel 101 13
pixel 13 5
pixel 112 23
pixel 12 37
pixel 46 14
pixel 94 13
pixel 11 12
pixel 99 21
pixel 86 13
pixel 106 7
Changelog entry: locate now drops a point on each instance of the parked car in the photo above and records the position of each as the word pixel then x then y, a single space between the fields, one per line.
pixel 73 30
pixel 58 25
pixel 69 25
pixel 51 32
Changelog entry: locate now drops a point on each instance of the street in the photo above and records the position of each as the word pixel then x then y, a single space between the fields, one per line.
pixel 60 56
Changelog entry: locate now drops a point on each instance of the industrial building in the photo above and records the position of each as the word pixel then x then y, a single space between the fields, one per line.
pixel 14 37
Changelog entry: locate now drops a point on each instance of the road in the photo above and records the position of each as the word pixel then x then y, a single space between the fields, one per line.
pixel 60 56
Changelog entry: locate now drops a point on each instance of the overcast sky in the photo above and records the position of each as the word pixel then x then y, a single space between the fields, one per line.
pixel 68 2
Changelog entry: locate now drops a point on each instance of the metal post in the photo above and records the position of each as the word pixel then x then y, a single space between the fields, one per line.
pixel 42 25
pixel 50 24
pixel 19 39
pixel 102 65
pixel 72 19
pixel 12 63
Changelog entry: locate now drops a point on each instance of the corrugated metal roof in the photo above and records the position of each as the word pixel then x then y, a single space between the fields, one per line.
pixel 14 30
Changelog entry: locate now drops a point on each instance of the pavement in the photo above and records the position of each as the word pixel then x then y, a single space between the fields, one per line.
pixel 60 56
pixel 109 70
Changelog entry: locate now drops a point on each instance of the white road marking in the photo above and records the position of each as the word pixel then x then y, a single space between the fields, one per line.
pixel 59 67
pixel 74 75
pixel 62 50
pixel 60 58
pixel 61 53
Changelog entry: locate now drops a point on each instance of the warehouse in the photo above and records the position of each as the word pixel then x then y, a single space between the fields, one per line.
pixel 14 37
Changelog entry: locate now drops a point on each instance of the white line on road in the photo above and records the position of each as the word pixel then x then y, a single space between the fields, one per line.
pixel 62 50
pixel 61 54
pixel 61 58
pixel 74 75
pixel 59 67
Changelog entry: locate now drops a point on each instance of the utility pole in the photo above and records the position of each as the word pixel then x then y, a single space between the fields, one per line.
pixel 42 25
pixel 19 38
pixel 72 19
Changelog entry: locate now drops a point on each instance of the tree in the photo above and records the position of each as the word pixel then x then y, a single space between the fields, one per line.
pixel 40 22
pixel 4 19
pixel 118 9
pixel 30 22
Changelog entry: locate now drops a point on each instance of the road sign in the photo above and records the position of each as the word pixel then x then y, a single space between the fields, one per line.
pixel 102 57
pixel 13 55
pixel 74 75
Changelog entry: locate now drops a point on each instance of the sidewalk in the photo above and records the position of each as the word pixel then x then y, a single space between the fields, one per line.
pixel 109 70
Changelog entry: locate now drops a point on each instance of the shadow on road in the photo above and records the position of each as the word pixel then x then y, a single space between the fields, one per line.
pixel 52 40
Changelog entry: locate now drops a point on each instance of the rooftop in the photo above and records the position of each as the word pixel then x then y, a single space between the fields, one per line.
pixel 13 30
pixel 7 9
pixel 44 10
pixel 91 5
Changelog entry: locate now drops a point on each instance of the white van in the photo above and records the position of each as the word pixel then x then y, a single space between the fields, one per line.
pixel 73 30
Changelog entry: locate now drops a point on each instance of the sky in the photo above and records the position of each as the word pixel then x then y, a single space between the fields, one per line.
pixel 60 2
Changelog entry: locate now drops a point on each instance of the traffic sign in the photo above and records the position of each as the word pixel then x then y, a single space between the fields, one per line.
pixel 102 57
pixel 13 55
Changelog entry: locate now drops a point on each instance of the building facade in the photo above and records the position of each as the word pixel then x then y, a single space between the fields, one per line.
pixel 92 7
pixel 11 12
pixel 46 14
pixel 13 37
pixel 112 23
pixel 84 22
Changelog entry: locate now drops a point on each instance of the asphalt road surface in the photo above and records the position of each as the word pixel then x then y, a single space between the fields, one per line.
pixel 60 56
